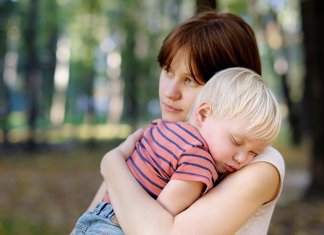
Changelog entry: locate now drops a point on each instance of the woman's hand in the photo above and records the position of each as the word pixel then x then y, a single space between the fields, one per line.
pixel 124 150
pixel 127 147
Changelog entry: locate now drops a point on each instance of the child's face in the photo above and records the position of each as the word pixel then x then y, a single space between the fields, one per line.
pixel 228 144
pixel 177 90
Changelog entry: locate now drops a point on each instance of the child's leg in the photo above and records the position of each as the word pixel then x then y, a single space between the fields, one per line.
pixel 98 221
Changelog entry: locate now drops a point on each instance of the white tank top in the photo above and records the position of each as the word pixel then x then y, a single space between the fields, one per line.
pixel 259 223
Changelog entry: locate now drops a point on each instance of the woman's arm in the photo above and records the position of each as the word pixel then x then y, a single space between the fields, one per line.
pixel 98 197
pixel 214 213
pixel 128 148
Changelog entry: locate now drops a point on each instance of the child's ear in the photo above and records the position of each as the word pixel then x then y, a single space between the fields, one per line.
pixel 202 113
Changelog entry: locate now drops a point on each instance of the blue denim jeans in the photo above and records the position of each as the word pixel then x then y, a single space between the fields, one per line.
pixel 98 221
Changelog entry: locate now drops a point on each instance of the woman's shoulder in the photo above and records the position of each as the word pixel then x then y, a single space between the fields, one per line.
pixel 269 166
pixel 272 156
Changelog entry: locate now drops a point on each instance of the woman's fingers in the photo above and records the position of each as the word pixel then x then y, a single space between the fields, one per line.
pixel 124 150
pixel 135 136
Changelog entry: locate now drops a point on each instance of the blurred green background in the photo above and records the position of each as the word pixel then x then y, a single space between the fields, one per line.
pixel 76 77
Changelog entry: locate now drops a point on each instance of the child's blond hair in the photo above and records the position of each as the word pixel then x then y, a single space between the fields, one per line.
pixel 241 93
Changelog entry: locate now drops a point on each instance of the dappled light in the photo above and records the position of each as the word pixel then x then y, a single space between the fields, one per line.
pixel 10 68
pixel 61 79
pixel 77 77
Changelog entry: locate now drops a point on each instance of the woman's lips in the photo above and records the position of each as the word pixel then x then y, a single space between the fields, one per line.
pixel 170 108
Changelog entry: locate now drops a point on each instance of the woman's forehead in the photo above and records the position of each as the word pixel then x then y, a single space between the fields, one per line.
pixel 182 54
pixel 180 59
pixel 185 57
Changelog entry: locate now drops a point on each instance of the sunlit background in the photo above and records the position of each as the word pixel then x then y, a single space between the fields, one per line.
pixel 76 77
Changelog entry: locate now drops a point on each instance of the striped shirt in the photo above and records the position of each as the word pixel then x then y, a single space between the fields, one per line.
pixel 171 151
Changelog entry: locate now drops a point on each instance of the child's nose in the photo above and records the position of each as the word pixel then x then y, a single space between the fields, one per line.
pixel 241 157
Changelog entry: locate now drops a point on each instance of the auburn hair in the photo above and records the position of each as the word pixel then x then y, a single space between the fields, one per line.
pixel 212 41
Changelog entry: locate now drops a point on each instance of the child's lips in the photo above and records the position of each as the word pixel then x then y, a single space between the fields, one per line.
pixel 230 168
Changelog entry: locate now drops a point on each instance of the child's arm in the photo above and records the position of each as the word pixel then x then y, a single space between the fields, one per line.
pixel 179 195
pixel 194 175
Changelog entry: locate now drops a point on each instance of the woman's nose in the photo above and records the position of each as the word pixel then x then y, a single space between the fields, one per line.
pixel 173 91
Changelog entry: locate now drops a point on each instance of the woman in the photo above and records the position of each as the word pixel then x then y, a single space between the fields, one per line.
pixel 242 202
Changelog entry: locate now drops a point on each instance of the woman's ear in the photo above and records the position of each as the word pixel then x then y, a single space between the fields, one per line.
pixel 203 111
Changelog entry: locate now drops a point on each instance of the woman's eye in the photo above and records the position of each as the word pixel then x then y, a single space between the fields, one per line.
pixel 191 82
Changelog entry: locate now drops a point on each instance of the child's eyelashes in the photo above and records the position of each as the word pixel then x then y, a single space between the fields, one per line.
pixel 236 141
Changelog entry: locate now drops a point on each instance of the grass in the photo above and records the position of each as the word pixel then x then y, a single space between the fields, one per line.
pixel 45 192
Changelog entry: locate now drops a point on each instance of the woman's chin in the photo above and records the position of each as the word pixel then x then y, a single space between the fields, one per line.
pixel 172 118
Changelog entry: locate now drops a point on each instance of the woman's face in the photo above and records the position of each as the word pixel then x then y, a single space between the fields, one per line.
pixel 177 89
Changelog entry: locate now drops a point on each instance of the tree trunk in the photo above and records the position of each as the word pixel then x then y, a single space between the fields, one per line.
pixel 313 18
pixel 129 74
pixel 205 5
pixel 32 72
pixel 48 66
pixel 7 9
pixel 3 88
